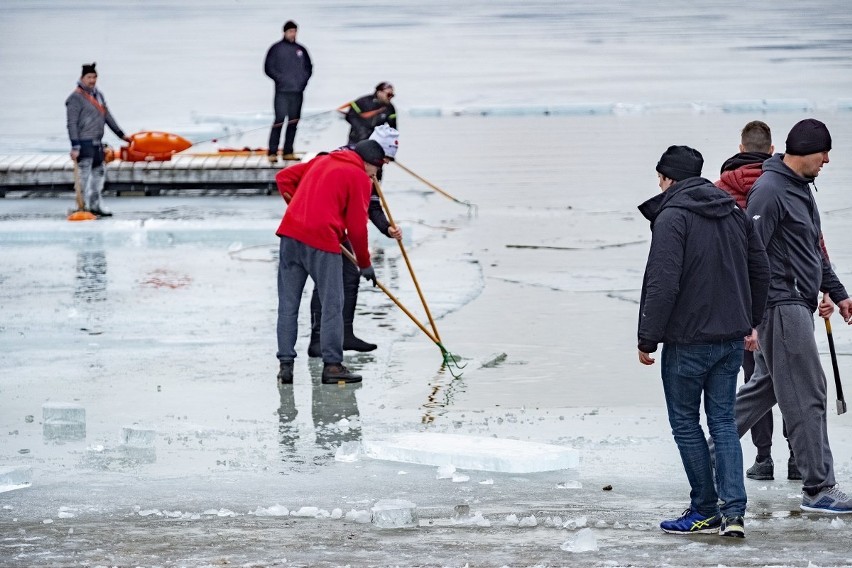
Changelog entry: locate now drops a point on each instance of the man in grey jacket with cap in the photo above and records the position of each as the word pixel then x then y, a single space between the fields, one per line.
pixel 787 364
pixel 87 113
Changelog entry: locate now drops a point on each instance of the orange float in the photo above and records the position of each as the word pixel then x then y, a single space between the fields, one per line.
pixel 153 146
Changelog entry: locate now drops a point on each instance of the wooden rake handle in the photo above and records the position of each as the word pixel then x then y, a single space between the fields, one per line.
pixel 393 298
pixel 378 187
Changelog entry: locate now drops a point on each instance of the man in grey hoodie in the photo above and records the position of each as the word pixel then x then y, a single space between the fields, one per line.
pixel 787 363
pixel 87 114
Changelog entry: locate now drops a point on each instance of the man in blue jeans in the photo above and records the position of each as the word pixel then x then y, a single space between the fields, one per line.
pixel 703 294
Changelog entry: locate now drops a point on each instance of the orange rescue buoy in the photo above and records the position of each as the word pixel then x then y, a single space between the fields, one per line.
pixel 153 147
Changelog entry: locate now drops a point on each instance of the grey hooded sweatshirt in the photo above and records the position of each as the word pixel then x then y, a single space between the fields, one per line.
pixel 786 218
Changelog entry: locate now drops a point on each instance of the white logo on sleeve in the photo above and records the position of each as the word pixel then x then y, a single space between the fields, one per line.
pixel 755 218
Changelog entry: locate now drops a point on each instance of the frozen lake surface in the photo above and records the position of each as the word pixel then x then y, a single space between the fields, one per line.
pixel 162 318
pixel 159 322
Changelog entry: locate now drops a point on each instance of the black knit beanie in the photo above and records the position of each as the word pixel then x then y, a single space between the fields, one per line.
pixel 680 162
pixel 88 68
pixel 290 25
pixel 371 152
pixel 808 136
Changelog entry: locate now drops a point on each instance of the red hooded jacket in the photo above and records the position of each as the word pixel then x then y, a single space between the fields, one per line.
pixel 328 200
pixel 737 182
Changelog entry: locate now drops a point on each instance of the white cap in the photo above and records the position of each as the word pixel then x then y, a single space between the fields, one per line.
pixel 388 139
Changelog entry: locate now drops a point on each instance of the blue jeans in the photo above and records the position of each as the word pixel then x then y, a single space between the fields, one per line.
pixel 710 369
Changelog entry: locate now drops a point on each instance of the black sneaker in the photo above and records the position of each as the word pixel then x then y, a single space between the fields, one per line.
pixel 285 373
pixel 732 526
pixel 352 343
pixel 762 470
pixel 334 373
pixel 793 472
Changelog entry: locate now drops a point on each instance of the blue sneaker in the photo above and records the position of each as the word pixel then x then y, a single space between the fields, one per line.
pixel 693 522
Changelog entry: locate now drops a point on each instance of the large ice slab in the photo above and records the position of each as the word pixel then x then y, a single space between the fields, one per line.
pixel 473 452
pixel 394 514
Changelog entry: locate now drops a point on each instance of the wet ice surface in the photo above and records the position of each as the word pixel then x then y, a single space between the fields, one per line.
pixel 162 319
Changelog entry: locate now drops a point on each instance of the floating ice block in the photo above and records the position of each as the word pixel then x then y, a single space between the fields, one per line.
pixel 63 421
pixel 472 452
pixel 15 477
pixel 394 514
pixel 138 436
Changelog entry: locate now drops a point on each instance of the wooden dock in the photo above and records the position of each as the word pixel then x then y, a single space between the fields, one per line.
pixel 51 173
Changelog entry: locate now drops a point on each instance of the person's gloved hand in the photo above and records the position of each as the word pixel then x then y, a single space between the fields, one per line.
pixel 369 274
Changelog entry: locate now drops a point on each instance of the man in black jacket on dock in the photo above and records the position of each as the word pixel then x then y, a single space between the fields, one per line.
pixel 289 65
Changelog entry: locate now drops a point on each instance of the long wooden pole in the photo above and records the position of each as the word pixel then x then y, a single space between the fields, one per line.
pixel 378 187
pixel 432 185
pixel 393 298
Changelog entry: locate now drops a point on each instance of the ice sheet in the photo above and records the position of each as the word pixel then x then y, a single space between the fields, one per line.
pixel 473 452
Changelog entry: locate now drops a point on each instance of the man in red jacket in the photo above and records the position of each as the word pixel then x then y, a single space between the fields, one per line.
pixel 328 199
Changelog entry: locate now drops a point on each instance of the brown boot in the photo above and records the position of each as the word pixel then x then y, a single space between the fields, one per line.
pixel 334 373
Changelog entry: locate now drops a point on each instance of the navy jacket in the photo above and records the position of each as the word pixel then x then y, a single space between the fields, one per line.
pixel 289 65
pixel 707 274
pixel 786 218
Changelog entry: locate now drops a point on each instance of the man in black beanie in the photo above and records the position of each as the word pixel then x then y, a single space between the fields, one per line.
pixel 787 364
pixel 289 65
pixel 87 114
pixel 327 200
pixel 703 294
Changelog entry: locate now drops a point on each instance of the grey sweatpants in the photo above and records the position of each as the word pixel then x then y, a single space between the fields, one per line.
pixel 788 371
pixel 297 261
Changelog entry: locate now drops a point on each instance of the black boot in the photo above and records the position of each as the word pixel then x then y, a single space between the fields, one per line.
pixel 285 373
pixel 353 343
pixel 793 472
pixel 314 347
pixel 333 373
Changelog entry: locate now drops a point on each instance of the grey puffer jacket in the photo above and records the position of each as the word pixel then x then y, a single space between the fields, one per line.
pixel 786 218
pixel 85 120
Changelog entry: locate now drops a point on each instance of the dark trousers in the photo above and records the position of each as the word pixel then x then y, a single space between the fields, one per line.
pixel 761 432
pixel 351 279
pixel 288 110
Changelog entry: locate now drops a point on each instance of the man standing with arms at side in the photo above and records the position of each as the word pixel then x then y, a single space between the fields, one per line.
pixel 704 292
pixel 787 364
pixel 739 172
pixel 289 65
pixel 87 114
pixel 327 203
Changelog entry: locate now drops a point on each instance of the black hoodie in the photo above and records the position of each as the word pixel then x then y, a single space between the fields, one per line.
pixel 786 218
pixel 707 274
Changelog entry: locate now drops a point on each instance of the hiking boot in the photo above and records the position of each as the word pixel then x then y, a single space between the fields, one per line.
pixel 692 522
pixel 285 373
pixel 314 348
pixel 793 472
pixel 353 343
pixel 334 373
pixel 763 469
pixel 290 157
pixel 828 500
pixel 273 158
pixel 732 526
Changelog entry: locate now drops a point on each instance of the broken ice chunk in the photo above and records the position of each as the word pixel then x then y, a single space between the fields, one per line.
pixel 63 421
pixel 15 477
pixel 394 514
